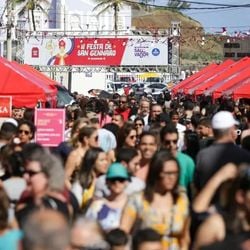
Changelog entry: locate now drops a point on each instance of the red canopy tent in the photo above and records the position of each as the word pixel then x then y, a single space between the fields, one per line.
pixel 189 89
pixel 229 72
pixel 26 89
pixel 236 91
pixel 43 77
pixel 243 91
pixel 231 83
pixel 193 77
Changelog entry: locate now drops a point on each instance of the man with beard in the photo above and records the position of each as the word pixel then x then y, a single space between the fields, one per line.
pixel 123 108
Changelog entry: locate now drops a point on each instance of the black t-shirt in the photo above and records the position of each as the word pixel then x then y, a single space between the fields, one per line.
pixel 211 159
pixel 47 202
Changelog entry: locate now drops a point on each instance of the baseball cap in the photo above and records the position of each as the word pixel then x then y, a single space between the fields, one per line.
pixel 223 120
pixel 117 170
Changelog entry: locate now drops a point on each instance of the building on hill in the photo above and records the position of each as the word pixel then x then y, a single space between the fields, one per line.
pixel 237 49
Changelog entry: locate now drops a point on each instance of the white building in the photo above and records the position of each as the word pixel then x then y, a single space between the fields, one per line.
pixel 73 15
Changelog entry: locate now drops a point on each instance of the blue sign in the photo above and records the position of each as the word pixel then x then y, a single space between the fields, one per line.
pixel 155 52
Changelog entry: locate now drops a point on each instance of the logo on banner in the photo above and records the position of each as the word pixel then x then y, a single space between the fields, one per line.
pixel 141 52
pixel 5 106
pixel 155 52
pixel 35 52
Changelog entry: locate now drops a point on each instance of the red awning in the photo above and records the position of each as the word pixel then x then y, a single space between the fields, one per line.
pixel 25 88
pixel 231 83
pixel 227 73
pixel 190 89
pixel 182 84
pixel 243 91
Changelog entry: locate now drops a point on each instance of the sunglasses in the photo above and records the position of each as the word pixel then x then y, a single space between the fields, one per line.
pixel 114 180
pixel 132 137
pixel 77 247
pixel 138 124
pixel 168 142
pixel 26 132
pixel 169 173
pixel 31 172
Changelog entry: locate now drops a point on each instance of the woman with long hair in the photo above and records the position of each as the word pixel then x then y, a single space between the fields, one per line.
pixel 231 223
pixel 162 205
pixel 87 138
pixel 94 164
pixel 127 136
pixel 71 143
pixel 26 131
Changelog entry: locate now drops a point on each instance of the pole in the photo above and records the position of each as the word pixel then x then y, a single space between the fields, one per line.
pixel 9 30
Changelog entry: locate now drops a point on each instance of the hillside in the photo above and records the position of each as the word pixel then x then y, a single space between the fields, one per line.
pixel 194 51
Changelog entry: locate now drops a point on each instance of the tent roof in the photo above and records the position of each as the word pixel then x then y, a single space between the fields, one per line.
pixel 193 77
pixel 21 86
pixel 231 83
pixel 37 78
pixel 243 91
pixel 227 73
pixel 207 77
pixel 43 77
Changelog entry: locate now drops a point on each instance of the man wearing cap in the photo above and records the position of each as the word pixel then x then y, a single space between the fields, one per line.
pixel 222 151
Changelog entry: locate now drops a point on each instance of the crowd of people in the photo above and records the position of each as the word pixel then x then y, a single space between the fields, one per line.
pixel 140 174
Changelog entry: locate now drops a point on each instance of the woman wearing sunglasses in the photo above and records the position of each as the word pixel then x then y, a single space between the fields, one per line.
pixel 107 211
pixel 93 165
pixel 45 179
pixel 87 138
pixel 162 206
pixel 127 136
pixel 26 131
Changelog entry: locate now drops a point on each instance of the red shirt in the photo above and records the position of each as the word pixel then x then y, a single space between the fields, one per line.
pixel 124 113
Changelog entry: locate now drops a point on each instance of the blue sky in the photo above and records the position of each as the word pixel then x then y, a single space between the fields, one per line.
pixel 213 20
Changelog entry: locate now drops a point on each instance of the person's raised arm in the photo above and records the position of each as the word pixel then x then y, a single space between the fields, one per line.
pixel 202 201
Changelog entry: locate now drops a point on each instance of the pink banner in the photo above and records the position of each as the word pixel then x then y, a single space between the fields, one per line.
pixel 50 124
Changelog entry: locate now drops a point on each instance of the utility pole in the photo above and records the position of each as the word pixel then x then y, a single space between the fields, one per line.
pixel 9 29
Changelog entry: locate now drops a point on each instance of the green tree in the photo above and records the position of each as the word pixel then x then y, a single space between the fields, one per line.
pixel 30 6
pixel 115 5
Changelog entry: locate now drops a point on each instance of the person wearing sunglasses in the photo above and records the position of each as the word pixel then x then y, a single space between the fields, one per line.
pixel 123 108
pixel 26 131
pixel 107 210
pixel 169 139
pixel 162 206
pixel 127 136
pixel 45 179
pixel 139 126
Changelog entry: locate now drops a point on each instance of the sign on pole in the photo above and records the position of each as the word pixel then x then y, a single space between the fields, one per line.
pixel 50 124
pixel 5 106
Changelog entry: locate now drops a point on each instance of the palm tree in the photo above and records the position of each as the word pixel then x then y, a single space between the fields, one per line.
pixel 115 5
pixel 31 6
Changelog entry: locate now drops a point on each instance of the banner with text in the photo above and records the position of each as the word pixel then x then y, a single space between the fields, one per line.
pixel 97 51
pixel 50 124
pixel 5 106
